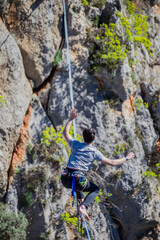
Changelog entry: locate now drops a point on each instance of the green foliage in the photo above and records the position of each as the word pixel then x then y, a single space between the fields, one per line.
pixel 12 226
pixel 28 200
pixel 2 101
pixel 146 104
pixel 138 104
pixel 51 135
pixel 118 174
pixel 30 148
pixel 84 3
pixel 96 21
pixel 150 174
pixel 110 50
pixel 119 149
pixel 155 172
pixel 112 43
pixel 97 198
pixel 99 3
pixel 17 171
pixel 130 8
pixel 71 220
pixel 109 194
pixel 58 58
pixel 44 236
pixel 112 103
pixel 157 190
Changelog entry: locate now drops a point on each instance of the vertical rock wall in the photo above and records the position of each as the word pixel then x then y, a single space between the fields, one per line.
pixel 129 204
pixel 16 90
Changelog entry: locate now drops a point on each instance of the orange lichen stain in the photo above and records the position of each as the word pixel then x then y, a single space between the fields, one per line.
pixel 20 147
pixel 155 9
pixel 129 104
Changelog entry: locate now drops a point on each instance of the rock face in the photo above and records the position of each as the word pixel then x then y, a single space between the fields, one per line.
pixel 122 105
pixel 38 28
pixel 16 91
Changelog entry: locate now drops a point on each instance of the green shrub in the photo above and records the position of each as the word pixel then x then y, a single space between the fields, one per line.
pixel 138 104
pixel 58 58
pixel 12 226
pixel 130 8
pixel 155 172
pixel 70 220
pixel 110 50
pixel 28 200
pixel 84 3
pixel 98 198
pixel 50 135
pixel 112 43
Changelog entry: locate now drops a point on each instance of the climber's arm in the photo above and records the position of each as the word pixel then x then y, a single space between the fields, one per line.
pixel 73 114
pixel 116 162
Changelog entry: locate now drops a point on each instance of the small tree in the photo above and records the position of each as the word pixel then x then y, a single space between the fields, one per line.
pixel 12 226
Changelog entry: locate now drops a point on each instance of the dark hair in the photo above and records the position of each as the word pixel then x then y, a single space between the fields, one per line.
pixel 89 135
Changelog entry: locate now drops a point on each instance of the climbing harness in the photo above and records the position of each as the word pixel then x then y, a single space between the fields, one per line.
pixel 69 67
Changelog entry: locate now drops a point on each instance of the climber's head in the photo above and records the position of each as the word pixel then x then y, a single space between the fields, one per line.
pixel 89 135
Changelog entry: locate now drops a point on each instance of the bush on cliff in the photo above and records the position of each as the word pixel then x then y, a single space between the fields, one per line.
pixel 12 226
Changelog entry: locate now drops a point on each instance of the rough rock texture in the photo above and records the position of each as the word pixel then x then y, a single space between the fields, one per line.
pixel 16 91
pixel 37 26
pixel 36 184
pixel 113 103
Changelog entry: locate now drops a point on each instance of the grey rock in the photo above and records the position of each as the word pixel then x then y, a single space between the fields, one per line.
pixel 38 28
pixel 150 89
pixel 147 131
pixel 38 121
pixel 77 23
pixel 106 102
pixel 17 92
pixel 110 10
pixel 38 179
pixel 118 82
pixel 93 13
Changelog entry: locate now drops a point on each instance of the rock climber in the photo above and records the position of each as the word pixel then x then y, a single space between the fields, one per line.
pixel 80 161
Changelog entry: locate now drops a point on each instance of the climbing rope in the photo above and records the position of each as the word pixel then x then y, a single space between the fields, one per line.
pixel 80 216
pixel 81 220
pixel 69 66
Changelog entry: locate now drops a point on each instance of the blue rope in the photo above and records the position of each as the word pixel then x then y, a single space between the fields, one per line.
pixel 73 189
pixel 86 227
pixel 69 66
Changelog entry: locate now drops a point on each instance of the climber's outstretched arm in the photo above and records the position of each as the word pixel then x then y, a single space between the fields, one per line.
pixel 116 162
pixel 73 114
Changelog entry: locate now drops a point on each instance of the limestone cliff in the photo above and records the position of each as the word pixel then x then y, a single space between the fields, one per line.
pixel 117 92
